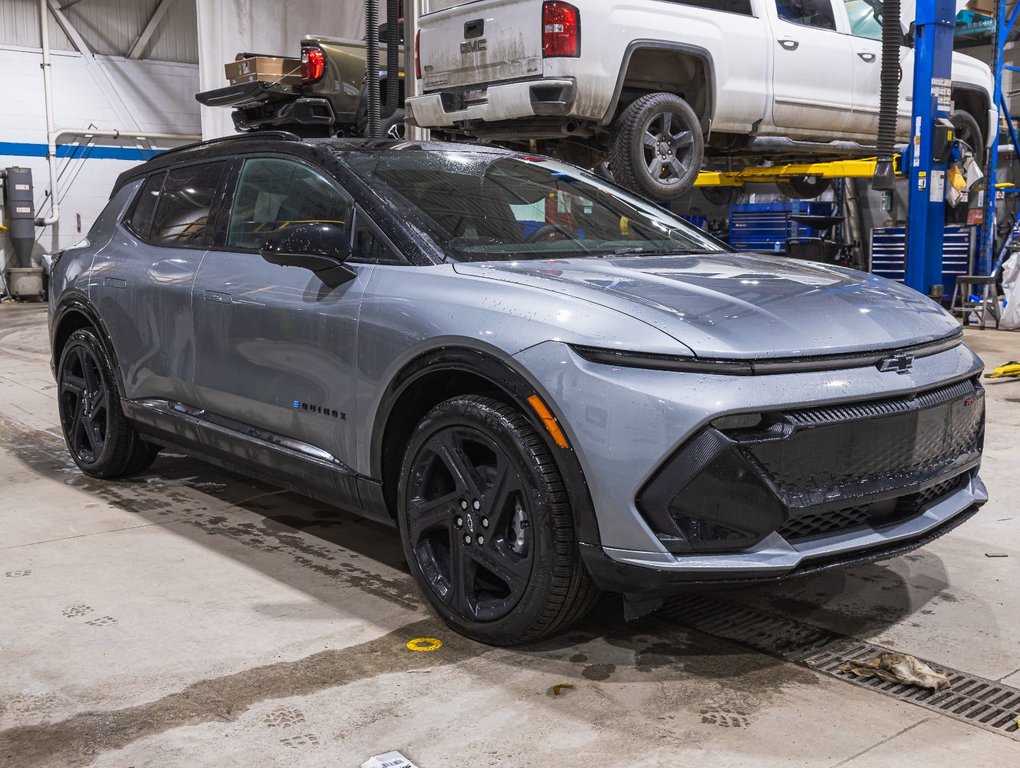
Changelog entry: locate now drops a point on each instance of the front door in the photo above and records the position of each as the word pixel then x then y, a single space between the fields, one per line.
pixel 812 74
pixel 277 345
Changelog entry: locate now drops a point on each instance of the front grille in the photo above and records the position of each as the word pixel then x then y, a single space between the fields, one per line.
pixel 812 472
pixel 919 438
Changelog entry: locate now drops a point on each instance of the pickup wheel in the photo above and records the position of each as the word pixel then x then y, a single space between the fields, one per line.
pixel 656 147
pixel 487 525
pixel 967 130
pixel 803 187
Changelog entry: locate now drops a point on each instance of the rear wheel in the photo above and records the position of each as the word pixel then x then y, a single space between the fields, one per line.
pixel 657 147
pixel 487 526
pixel 98 436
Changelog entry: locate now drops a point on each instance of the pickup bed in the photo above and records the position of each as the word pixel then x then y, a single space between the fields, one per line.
pixel 661 88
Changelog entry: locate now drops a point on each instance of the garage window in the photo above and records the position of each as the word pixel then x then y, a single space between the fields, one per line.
pixel 810 13
pixel 742 7
pixel 274 193
pixel 182 214
pixel 140 220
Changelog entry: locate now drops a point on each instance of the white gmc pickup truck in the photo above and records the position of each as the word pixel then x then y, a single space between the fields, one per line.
pixel 653 86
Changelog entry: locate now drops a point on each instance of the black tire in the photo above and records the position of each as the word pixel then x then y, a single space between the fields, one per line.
pixel 966 129
pixel 656 147
pixel 476 468
pixel 719 196
pixel 98 436
pixel 803 187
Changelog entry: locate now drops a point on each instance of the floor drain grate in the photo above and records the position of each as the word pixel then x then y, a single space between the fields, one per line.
pixel 974 700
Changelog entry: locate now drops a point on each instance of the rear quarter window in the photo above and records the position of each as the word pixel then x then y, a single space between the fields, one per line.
pixel 742 7
pixel 139 220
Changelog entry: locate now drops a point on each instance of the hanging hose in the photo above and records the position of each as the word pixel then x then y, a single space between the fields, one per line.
pixel 892 39
pixel 372 66
pixel 392 58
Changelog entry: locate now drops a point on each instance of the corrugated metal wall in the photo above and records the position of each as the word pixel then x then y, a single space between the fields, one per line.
pixel 109 27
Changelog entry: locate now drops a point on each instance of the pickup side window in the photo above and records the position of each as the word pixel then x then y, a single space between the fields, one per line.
pixel 742 7
pixel 809 13
pixel 182 213
pixel 862 19
pixel 273 193
pixel 140 219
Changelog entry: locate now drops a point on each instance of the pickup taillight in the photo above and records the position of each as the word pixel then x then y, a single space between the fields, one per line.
pixel 561 30
pixel 313 65
pixel 417 54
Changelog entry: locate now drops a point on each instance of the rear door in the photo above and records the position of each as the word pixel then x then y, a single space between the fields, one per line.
pixel 484 41
pixel 812 75
pixel 866 38
pixel 142 281
pixel 276 346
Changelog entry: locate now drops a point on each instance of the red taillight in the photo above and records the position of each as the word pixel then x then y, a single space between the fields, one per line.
pixel 417 54
pixel 561 29
pixel 313 65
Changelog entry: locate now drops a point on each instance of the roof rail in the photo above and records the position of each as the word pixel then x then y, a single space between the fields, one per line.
pixel 251 136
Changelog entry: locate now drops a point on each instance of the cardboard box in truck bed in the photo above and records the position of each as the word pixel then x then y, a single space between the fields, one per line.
pixel 266 69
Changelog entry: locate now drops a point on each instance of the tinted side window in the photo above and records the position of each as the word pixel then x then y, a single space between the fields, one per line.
pixel 728 6
pixel 810 13
pixel 182 215
pixel 273 193
pixel 140 219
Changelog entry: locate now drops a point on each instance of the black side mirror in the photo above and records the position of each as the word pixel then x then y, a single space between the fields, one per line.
pixel 320 248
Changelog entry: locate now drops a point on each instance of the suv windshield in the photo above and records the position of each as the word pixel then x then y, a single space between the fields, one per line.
pixel 481 206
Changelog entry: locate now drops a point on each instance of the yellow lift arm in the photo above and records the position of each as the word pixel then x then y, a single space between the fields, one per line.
pixel 861 168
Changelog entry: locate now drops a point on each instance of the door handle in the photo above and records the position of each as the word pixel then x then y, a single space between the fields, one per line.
pixel 218 297
pixel 790 45
pixel 865 56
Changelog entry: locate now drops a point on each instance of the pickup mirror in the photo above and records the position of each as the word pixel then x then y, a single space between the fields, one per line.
pixel 321 248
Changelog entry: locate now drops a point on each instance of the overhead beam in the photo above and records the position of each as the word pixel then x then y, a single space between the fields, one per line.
pixel 69 29
pixel 150 28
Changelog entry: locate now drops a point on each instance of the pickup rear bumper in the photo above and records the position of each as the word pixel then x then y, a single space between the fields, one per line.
pixel 494 103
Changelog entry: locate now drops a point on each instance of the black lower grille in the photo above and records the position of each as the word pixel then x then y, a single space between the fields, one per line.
pixel 877 514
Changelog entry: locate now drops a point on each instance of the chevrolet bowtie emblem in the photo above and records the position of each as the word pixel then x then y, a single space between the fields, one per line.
pixel 900 363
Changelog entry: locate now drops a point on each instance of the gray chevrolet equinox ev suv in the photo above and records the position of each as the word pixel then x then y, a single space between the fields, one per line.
pixel 547 384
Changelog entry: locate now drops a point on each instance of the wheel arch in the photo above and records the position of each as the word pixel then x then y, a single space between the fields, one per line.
pixel 976 102
pixel 691 62
pixel 73 313
pixel 437 375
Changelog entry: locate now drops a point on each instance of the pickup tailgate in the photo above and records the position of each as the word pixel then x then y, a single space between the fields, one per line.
pixel 481 42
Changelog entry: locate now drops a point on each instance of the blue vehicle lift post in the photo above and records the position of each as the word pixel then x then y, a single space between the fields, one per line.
pixel 1004 20
pixel 933 61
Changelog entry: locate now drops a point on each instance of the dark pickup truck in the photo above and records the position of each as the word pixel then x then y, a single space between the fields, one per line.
pixel 331 99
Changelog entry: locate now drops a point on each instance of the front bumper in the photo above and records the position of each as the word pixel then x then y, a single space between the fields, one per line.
pixel 495 103
pixel 883 464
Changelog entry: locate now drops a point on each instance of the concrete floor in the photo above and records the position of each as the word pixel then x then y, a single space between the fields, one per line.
pixel 191 617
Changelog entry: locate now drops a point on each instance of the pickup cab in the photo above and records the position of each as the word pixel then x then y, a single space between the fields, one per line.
pixel 660 88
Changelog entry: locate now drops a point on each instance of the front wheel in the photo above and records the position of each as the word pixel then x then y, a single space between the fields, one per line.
pixel 657 147
pixel 487 525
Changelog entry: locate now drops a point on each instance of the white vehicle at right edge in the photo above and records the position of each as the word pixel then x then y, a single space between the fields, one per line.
pixel 659 88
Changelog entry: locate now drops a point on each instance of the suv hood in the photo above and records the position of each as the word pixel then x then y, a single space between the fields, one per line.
pixel 742 305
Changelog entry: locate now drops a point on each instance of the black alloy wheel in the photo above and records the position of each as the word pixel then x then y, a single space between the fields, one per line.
pixel 84 404
pixel 99 438
pixel 486 524
pixel 657 147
